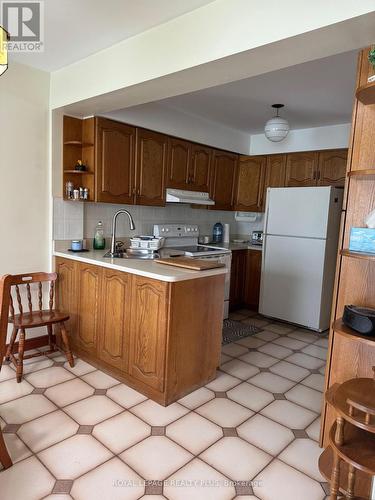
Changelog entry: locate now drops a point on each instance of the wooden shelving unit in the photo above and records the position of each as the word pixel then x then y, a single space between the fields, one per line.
pixel 366 93
pixel 368 172
pixel 79 144
pixel 357 255
pixel 339 327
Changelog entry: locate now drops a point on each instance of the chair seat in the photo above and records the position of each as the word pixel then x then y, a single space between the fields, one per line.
pixel 38 318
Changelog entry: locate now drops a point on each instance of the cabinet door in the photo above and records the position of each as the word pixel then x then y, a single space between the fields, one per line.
pixel 252 278
pixel 115 162
pixel 89 281
pixel 115 318
pixel 151 168
pixel 179 156
pixel 237 278
pixel 148 334
pixel 250 181
pixel 200 171
pixel 301 169
pixel 332 168
pixel 223 182
pixel 66 293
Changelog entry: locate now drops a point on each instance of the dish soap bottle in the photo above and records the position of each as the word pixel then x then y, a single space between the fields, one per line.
pixel 99 240
pixel 217 236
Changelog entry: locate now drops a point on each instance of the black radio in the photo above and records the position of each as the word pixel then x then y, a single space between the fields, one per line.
pixel 360 319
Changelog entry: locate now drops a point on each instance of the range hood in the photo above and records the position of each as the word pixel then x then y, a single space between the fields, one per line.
pixel 190 197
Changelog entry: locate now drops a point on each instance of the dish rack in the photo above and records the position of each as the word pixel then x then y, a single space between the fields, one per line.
pixel 151 243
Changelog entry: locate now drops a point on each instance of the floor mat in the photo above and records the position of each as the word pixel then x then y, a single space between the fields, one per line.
pixel 235 330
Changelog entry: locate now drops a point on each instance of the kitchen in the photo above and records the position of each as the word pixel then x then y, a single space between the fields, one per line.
pixel 196 255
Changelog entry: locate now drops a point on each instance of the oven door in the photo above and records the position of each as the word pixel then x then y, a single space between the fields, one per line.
pixel 225 259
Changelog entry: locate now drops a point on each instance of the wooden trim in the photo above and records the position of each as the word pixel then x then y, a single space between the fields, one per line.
pixel 357 255
pixel 32 343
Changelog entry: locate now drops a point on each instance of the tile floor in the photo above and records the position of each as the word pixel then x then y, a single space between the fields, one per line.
pixel 251 433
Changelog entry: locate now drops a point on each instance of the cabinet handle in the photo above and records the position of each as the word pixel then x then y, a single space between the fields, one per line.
pixel 138 192
pixel 318 175
pixel 314 175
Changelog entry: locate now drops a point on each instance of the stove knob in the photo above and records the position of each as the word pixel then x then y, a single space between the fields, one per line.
pixel 188 229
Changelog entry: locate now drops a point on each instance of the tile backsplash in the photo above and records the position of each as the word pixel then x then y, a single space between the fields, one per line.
pixel 74 220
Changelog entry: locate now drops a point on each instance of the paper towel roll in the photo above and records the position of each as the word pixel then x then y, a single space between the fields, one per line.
pixel 226 233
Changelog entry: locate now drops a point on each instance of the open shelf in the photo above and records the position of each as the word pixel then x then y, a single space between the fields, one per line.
pixel 362 488
pixel 357 255
pixel 78 143
pixel 366 93
pixel 339 327
pixel 76 172
pixel 362 173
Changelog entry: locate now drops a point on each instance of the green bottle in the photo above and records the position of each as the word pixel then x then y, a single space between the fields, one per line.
pixel 99 240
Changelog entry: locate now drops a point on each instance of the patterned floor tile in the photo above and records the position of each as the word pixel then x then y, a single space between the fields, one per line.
pixel 11 389
pixel 16 448
pixel 313 430
pixel 155 414
pixel 315 381
pixel 156 457
pixel 197 398
pixel 224 412
pixel 315 350
pixel 306 397
pixel 92 410
pixel 27 408
pixel 259 359
pixel 74 456
pixel 290 371
pixel 125 396
pixel 281 482
pixel 49 376
pixel 28 479
pixel 305 361
pixel 47 430
pixel 223 382
pixel 265 434
pixel 198 481
pixel 121 431
pixel 69 392
pixel 271 382
pixel 194 432
pixel 113 480
pixel 250 396
pixel 303 454
pixel 277 351
pixel 100 380
pixel 289 414
pixel 239 369
pixel 236 459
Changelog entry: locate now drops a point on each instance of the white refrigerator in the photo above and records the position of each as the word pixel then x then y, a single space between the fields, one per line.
pixel 299 254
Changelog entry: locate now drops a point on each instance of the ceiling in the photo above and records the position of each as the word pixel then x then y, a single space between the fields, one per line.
pixel 74 29
pixel 315 94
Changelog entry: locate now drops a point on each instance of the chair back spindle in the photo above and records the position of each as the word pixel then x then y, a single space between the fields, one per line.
pixel 22 285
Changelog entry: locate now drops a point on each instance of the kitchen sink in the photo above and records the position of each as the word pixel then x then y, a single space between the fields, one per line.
pixel 128 254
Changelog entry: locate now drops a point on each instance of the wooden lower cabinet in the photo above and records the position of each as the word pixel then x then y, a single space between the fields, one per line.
pixel 163 339
pixel 252 278
pixel 245 279
pixel 88 282
pixel 237 279
pixel 113 341
pixel 148 331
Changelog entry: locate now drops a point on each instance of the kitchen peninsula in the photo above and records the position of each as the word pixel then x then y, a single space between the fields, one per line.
pixel 156 328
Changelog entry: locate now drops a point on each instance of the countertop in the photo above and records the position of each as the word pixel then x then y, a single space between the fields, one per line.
pixel 147 268
pixel 237 246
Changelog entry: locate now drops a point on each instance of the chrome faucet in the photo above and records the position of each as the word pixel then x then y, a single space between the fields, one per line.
pixel 112 251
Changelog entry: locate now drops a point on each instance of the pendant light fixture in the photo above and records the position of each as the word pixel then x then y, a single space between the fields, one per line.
pixel 277 128
pixel 3 50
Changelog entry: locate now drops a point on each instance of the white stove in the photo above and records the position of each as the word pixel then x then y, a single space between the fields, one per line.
pixel 182 239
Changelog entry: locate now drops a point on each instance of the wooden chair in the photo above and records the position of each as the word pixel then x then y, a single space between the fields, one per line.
pixel 34 318
pixel 5 459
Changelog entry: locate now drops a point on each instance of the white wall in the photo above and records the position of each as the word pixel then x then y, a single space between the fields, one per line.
pixel 309 139
pixel 25 190
pixel 223 41
pixel 166 119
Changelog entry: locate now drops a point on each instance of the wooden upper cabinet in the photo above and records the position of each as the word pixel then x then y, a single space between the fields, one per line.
pixel 148 332
pixel 179 157
pixel 89 279
pixel 200 168
pixel 275 171
pixel 115 162
pixel 223 181
pixel 151 168
pixel 301 169
pixel 115 306
pixel 250 181
pixel 332 168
